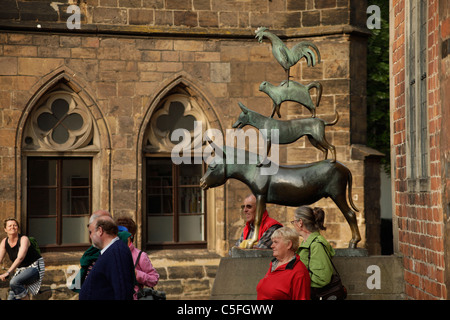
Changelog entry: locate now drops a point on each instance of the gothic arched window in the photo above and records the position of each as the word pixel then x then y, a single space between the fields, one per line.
pixel 58 148
pixel 174 202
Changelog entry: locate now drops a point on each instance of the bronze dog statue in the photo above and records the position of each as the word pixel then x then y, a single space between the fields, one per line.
pixel 290 130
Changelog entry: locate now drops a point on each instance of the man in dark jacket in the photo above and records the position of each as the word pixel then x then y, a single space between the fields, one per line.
pixel 112 277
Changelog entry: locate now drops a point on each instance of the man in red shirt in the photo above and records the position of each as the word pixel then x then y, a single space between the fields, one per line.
pixel 268 225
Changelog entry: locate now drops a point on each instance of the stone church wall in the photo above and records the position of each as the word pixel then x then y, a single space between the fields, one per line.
pixel 129 53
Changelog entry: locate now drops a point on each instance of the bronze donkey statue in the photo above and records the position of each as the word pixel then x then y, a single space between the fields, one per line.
pixel 294 185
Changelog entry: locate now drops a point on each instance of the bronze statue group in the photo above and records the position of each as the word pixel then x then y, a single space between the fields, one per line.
pixel 294 185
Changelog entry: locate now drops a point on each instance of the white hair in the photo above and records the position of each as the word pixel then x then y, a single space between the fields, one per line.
pixel 287 234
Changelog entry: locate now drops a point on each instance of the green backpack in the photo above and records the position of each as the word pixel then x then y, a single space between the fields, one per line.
pixel 34 244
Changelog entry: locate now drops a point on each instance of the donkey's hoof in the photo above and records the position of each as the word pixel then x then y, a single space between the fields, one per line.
pixel 352 244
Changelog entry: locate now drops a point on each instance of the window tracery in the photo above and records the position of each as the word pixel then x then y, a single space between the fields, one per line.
pixel 178 111
pixel 60 123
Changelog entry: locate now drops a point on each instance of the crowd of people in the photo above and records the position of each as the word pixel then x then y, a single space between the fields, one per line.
pixel 114 269
pixel 298 270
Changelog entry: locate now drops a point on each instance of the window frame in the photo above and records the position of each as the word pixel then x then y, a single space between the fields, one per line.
pixel 416 63
pixel 58 245
pixel 175 244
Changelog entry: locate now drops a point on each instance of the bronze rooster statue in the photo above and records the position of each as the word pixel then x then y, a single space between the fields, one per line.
pixel 288 57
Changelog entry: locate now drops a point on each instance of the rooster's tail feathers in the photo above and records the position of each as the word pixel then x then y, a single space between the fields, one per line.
pixel 302 49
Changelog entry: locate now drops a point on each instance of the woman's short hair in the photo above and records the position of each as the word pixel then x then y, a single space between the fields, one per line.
pixel 127 223
pixel 11 219
pixel 287 234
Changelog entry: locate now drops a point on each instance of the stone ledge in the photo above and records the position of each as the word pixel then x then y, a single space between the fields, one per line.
pixel 62 258
pixel 361 152
pixel 67 258
pixel 180 31
pixel 348 252
pixel 250 253
pixel 184 254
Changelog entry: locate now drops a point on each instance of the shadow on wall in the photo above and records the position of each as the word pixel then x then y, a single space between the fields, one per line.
pixel 386 233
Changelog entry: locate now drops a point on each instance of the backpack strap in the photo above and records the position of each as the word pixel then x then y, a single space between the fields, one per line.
pixel 135 265
pixel 137 260
pixel 309 253
pixel 325 249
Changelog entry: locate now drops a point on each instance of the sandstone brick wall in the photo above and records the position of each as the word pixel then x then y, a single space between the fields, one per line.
pixel 420 216
pixel 278 14
pixel 128 54
pixel 123 74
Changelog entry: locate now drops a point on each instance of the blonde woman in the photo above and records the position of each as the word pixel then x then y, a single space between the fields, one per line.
pixel 287 277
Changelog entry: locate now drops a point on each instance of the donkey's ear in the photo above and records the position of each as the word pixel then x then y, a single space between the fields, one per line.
pixel 243 108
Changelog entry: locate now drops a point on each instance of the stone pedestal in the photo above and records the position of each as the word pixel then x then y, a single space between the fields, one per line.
pixel 236 252
pixel 238 276
pixel 365 277
pixel 351 252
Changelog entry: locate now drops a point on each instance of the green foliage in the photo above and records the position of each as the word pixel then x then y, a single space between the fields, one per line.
pixel 378 120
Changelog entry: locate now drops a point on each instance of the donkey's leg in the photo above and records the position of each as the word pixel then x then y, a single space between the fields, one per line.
pixel 350 216
pixel 260 208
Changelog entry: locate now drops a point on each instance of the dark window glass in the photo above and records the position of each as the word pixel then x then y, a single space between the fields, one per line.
pixel 59 200
pixel 175 203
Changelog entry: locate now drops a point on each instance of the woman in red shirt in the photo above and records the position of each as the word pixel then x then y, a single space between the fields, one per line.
pixel 287 277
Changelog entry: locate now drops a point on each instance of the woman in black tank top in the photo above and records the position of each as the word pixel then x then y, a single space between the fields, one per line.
pixel 27 263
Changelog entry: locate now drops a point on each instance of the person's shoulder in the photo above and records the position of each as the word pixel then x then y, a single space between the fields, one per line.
pixel 274 222
pixel 322 244
pixel 299 265
pixel 120 248
pixel 24 239
pixel 119 244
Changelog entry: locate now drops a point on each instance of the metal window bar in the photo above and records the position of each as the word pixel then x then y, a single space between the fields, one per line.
pixel 412 92
pixel 422 15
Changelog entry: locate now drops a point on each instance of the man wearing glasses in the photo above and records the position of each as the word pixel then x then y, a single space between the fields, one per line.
pixel 268 225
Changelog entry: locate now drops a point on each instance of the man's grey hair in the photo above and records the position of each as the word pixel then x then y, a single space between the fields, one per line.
pixel 98 214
